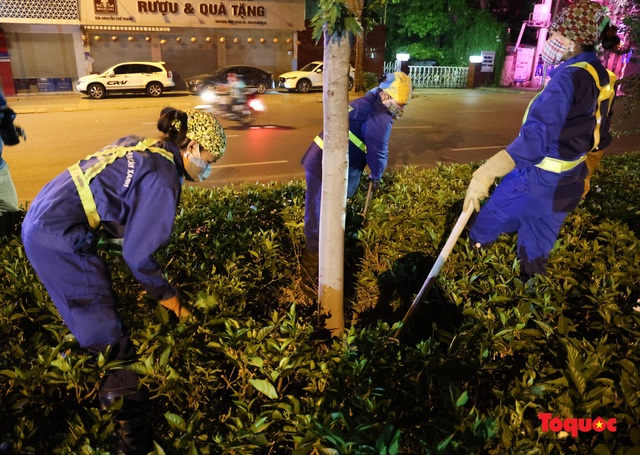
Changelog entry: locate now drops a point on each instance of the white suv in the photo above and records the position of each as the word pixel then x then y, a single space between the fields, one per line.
pixel 307 78
pixel 151 78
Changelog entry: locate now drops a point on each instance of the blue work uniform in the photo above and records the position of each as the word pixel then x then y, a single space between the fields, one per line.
pixel 530 200
pixel 370 121
pixel 136 197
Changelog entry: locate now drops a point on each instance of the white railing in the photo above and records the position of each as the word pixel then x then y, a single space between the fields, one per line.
pixel 434 76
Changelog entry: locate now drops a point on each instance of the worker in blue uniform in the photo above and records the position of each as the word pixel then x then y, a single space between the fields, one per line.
pixel 546 169
pixel 370 121
pixel 129 193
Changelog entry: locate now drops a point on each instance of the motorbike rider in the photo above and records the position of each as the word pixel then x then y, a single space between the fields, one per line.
pixel 237 89
pixel 129 190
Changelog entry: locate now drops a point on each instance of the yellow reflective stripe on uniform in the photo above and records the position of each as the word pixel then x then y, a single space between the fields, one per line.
pixel 86 196
pixel 357 142
pixel 352 137
pixel 557 166
pixel 604 93
pixel 526 111
pixel 109 155
pixel 105 157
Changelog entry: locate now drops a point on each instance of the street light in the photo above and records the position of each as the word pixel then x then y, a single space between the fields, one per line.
pixel 401 57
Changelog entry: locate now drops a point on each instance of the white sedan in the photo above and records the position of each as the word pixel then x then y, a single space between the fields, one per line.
pixel 307 78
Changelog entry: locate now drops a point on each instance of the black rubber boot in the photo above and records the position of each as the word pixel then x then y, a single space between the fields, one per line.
pixel 131 433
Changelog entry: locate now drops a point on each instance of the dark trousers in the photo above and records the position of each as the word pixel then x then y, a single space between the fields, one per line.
pixel 80 288
pixel 313 198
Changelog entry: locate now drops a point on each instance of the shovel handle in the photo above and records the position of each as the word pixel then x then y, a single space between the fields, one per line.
pixel 366 203
pixel 435 270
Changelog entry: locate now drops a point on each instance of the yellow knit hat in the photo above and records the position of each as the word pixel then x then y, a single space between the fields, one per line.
pixel 398 86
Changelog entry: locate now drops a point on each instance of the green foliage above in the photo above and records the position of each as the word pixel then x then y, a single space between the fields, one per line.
pixel 370 80
pixel 445 31
pixel 478 31
pixel 255 374
pixel 338 17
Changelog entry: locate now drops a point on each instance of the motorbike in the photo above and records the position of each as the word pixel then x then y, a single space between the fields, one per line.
pixel 217 102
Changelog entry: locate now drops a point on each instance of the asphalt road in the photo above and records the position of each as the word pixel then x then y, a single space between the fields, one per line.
pixel 439 125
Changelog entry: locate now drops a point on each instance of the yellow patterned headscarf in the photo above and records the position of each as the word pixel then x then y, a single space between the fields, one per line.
pixel 205 129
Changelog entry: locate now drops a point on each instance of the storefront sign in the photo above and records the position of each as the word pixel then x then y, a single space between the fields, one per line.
pixel 105 7
pixel 280 15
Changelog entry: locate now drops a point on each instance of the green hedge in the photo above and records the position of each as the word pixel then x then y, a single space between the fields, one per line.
pixel 255 374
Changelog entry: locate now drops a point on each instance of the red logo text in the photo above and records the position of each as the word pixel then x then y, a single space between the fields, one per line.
pixel 574 426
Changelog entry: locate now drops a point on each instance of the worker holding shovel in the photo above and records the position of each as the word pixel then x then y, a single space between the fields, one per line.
pixel 547 167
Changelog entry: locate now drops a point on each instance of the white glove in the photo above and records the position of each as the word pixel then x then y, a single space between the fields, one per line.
pixel 497 166
pixel 476 192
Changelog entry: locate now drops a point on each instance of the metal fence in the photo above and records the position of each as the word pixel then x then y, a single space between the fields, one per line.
pixel 434 76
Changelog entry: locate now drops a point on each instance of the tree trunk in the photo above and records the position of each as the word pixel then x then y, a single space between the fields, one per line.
pixel 358 83
pixel 335 165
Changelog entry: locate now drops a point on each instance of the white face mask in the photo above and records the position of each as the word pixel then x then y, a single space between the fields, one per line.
pixel 197 168
pixel 553 51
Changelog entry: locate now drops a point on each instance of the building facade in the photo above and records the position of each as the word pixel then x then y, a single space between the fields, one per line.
pixel 47 45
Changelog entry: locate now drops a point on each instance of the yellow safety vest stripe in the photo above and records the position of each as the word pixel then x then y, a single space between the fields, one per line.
pixel 526 111
pixel 606 92
pixel 352 137
pixel 557 166
pixel 86 197
pixel 105 157
pixel 319 142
